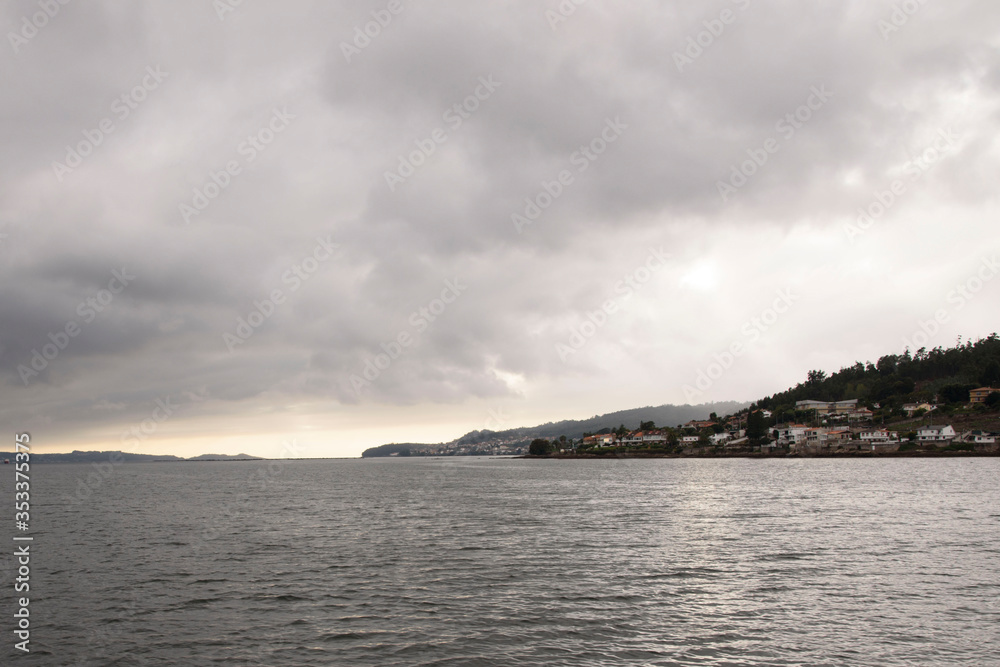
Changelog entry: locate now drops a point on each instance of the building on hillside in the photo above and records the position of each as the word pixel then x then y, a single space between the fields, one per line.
pixel 791 433
pixel 690 439
pixel 633 439
pixel 981 438
pixel 879 436
pixel 838 437
pixel 736 421
pixel 699 424
pixel 912 408
pixel 828 407
pixel 860 415
pixel 720 438
pixel 601 440
pixel 979 395
pixel 815 436
pixel 935 433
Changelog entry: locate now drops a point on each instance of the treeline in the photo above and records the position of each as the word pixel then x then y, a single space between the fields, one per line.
pixel 947 374
pixel 406 449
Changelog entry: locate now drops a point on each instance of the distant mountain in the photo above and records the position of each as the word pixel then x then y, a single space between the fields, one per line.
pixel 124 457
pixel 663 415
pixel 94 457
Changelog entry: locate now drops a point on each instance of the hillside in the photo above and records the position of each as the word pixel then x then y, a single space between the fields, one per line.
pixel 939 375
pixel 667 415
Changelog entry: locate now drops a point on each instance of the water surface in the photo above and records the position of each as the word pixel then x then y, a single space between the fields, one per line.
pixel 473 561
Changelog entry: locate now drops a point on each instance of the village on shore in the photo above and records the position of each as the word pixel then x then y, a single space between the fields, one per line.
pixel 819 428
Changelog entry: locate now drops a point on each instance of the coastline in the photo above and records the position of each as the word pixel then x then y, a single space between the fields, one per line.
pixel 758 455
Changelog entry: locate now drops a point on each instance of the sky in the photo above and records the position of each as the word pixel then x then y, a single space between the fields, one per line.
pixel 230 226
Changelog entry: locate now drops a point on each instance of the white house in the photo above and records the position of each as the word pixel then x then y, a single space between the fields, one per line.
pixel 719 438
pixel 792 433
pixel 881 435
pixel 690 439
pixel 935 433
pixel 982 438
pixel 815 436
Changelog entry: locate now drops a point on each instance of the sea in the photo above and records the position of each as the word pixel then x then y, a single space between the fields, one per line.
pixel 500 561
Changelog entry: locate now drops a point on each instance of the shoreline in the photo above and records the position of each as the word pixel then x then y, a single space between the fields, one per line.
pixel 758 455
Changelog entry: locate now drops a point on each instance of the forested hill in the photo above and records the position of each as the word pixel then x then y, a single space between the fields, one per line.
pixel 895 379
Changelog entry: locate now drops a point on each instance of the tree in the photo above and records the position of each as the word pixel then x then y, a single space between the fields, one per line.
pixel 993 400
pixel 956 393
pixel 647 426
pixel 815 377
pixel 756 430
pixel 990 376
pixel 539 447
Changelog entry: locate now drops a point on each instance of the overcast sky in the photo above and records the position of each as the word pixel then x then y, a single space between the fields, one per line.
pixel 534 210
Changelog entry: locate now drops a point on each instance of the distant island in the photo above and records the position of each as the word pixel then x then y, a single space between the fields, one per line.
pixel 939 402
pixel 125 457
